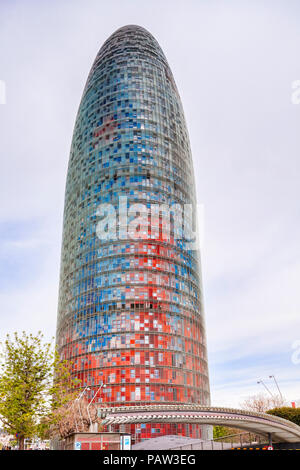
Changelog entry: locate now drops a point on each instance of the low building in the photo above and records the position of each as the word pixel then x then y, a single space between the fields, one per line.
pixel 94 441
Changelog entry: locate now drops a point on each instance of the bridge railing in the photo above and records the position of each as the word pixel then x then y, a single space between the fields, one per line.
pixel 226 442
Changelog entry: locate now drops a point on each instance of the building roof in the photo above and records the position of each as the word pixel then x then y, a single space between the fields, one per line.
pixel 164 443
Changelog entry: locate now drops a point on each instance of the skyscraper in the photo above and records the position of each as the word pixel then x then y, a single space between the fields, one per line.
pixel 130 301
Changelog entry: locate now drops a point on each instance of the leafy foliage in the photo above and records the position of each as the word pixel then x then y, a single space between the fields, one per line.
pixel 33 383
pixel 222 431
pixel 291 414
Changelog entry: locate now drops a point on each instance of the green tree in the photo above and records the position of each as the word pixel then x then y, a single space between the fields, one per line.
pixel 291 414
pixel 223 431
pixel 33 382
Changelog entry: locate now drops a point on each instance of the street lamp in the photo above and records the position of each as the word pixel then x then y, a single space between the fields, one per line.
pixel 88 412
pixel 78 400
pixel 262 382
pixel 73 406
pixel 273 377
pixel 82 393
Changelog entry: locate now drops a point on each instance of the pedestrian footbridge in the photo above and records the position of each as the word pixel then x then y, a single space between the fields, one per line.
pixel 280 430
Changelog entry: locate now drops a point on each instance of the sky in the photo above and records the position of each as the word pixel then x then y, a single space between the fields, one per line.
pixel 234 63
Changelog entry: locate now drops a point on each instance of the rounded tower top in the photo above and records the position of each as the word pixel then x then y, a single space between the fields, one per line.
pixel 131 33
pixel 138 43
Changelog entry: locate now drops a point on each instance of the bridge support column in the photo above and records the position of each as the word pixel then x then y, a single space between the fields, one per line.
pixel 270 438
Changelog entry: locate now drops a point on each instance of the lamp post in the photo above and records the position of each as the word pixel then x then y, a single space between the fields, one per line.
pixel 88 412
pixel 273 377
pixel 78 400
pixel 262 382
pixel 73 406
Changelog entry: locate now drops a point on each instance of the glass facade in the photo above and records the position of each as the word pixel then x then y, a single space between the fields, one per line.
pixel 130 307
